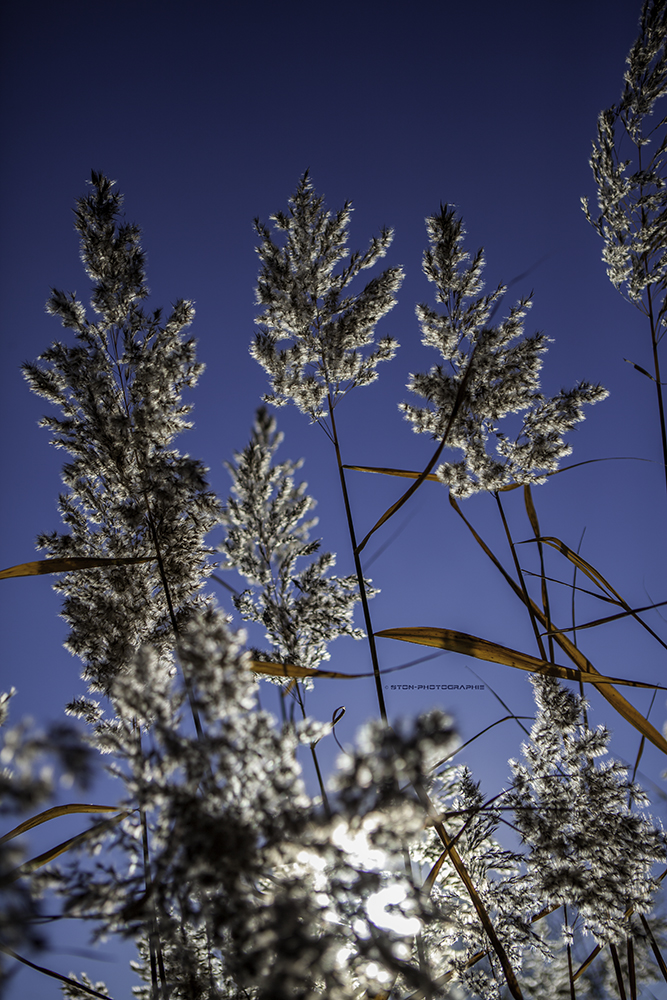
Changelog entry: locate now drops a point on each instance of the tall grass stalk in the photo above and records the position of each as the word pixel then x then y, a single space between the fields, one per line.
pixel 632 191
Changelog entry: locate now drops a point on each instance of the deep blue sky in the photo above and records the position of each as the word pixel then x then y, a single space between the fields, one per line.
pixel 207 115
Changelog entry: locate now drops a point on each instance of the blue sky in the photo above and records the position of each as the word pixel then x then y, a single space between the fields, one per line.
pixel 207 115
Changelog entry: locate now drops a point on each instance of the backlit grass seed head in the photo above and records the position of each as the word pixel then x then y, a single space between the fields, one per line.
pixel 303 289
pixel 119 388
pixel 489 373
pixel 589 848
pixel 302 609
pixel 629 162
pixel 454 934
pixel 281 888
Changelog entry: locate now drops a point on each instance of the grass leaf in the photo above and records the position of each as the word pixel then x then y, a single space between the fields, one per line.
pixel 65 565
pixel 640 369
pixel 610 618
pixel 458 402
pixel 581 564
pixel 482 649
pixel 55 975
pixel 405 473
pixel 43 859
pixel 597 578
pixel 464 875
pixel 614 697
pixel 292 670
pixel 44 817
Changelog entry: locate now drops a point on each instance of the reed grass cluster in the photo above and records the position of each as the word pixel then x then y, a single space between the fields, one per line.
pixel 396 879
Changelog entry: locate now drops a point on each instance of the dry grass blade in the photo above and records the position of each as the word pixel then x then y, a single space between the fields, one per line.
pixel 407 474
pixel 458 402
pixel 482 649
pixel 274 669
pixel 463 874
pixel 395 507
pixel 598 579
pixel 65 566
pixel 610 618
pixel 640 369
pixel 404 473
pixel 530 510
pixel 581 564
pixel 535 525
pixel 572 586
pixel 429 881
pixel 55 975
pixel 614 697
pixel 292 670
pixel 53 813
pixel 43 859
pixel 485 548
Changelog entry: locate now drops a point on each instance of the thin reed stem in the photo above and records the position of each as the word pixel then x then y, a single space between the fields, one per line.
pixel 153 934
pixel 574 630
pixel 458 403
pixel 320 779
pixel 654 332
pixel 617 969
pixel 532 517
pixel 357 564
pixel 570 971
pixel 522 582
pixel 172 616
pixel 154 945
pixel 154 535
pixel 654 947
pixel 632 978
pixel 658 382
pixel 463 874
pixel 81 987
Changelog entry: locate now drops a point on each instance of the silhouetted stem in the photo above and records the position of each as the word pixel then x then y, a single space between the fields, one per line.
pixel 154 945
pixel 172 615
pixel 658 383
pixel 357 565
pixel 524 589
pixel 654 332
pixel 617 970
